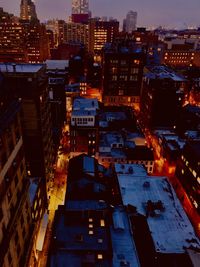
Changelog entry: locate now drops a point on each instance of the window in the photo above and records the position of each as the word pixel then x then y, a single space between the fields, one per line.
pixel 91 232
pixel 99 256
pixel 102 222
pixel 134 70
pixel 133 78
pixel 123 62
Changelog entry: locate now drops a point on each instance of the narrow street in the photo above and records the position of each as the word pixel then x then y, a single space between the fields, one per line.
pixel 57 196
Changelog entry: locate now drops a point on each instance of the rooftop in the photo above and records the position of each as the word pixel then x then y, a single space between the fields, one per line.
pixel 170 228
pixel 124 249
pixel 85 104
pixel 57 64
pixel 162 72
pixel 20 68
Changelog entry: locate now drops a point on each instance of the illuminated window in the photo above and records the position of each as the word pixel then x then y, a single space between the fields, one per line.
pixel 102 223
pixel 91 232
pixel 99 256
pixel 194 173
pixel 90 220
pixel 90 225
pixel 182 171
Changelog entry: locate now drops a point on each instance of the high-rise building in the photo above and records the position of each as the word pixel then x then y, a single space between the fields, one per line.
pixel 130 21
pixel 15 212
pixel 37 42
pixel 12 45
pixel 76 33
pixel 122 74
pixel 30 83
pixel 27 10
pixel 22 40
pixel 162 96
pixel 101 32
pixel 80 6
pixel 80 11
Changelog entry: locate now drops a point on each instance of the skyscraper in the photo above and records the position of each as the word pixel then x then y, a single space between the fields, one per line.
pixel 130 21
pixel 15 212
pixel 27 10
pixel 80 6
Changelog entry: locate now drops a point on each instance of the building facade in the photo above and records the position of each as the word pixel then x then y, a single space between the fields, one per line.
pixel 80 6
pixel 15 213
pixel 101 32
pixel 122 75
pixel 162 96
pixel 188 172
pixel 130 22
pixel 84 128
pixel 30 84
pixel 27 10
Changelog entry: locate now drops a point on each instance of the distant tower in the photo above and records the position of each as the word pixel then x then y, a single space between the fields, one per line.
pixel 80 6
pixel 27 10
pixel 130 21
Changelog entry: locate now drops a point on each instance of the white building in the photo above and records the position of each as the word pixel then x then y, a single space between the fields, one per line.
pixel 80 6
pixel 130 22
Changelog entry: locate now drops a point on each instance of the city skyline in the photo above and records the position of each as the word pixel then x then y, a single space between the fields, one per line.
pixel 165 14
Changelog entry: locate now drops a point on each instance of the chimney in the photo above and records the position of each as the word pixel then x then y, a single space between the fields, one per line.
pixel 14 67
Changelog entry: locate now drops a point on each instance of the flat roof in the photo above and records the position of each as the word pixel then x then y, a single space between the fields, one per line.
pixel 123 244
pixel 85 104
pixel 20 68
pixel 162 72
pixel 83 112
pixel 57 64
pixel 170 228
pixel 85 204
pixel 72 232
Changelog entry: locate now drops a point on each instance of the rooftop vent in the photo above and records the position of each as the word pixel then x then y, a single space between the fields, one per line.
pixel 130 170
pixel 146 184
pixel 124 263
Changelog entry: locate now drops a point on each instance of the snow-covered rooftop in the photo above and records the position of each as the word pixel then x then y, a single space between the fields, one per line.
pixel 123 245
pixel 85 104
pixel 20 68
pixel 57 64
pixel 170 228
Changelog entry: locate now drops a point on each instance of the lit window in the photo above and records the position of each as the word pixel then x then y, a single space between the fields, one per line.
pixel 90 220
pixel 91 232
pixel 102 223
pixel 99 256
pixel 182 171
pixel 194 173
pixel 90 225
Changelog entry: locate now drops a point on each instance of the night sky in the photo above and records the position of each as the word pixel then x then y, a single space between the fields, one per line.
pixel 176 13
